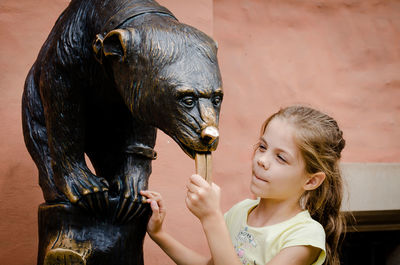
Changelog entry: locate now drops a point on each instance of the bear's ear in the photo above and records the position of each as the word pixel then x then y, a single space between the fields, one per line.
pixel 98 48
pixel 116 43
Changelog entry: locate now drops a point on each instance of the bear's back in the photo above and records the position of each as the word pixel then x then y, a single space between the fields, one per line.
pixel 69 42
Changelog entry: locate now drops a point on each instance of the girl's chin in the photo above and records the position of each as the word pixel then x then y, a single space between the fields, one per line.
pixel 256 191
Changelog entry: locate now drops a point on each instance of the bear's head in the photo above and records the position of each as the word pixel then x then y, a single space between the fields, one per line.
pixel 168 76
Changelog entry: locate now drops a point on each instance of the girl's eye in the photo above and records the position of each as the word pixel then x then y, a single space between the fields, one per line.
pixel 262 147
pixel 281 158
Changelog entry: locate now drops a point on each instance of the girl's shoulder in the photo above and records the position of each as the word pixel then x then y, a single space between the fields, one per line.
pixel 304 218
pixel 303 230
pixel 302 222
pixel 302 227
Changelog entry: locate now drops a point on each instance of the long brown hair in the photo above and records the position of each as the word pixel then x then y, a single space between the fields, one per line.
pixel 320 142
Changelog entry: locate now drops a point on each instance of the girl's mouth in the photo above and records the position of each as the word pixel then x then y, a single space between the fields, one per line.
pixel 260 179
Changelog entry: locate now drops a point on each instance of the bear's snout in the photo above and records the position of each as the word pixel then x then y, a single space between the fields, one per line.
pixel 209 134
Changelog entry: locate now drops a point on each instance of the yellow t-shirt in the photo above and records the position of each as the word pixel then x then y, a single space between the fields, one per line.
pixel 258 245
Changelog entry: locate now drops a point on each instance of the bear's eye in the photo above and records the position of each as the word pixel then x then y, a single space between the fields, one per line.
pixel 217 101
pixel 188 101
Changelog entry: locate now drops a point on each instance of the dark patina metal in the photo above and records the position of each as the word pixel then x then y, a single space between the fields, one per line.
pixel 109 74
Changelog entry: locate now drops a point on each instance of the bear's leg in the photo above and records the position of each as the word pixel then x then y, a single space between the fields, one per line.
pixel 35 136
pixel 64 110
pixel 109 142
pixel 127 174
pixel 133 179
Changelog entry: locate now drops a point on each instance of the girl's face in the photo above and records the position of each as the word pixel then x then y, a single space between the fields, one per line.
pixel 278 168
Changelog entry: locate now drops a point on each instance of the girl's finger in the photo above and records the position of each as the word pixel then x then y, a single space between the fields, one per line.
pixel 215 187
pixel 189 203
pixel 192 187
pixel 155 209
pixel 160 203
pixel 198 180
pixel 151 194
pixel 146 197
pixel 145 193
pixel 156 197
pixel 191 196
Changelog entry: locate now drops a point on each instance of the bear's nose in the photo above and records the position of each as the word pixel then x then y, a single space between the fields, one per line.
pixel 209 134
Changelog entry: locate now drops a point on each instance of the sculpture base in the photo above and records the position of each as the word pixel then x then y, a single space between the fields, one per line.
pixel 70 235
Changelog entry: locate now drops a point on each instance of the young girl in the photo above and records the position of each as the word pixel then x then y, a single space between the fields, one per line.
pixel 296 218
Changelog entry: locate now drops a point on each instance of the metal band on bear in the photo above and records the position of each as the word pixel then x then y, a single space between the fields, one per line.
pixel 130 12
pixel 145 151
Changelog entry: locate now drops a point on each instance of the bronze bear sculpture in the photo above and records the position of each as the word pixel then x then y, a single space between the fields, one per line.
pixel 109 74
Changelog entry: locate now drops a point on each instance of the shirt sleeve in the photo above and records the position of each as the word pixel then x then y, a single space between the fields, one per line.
pixel 306 234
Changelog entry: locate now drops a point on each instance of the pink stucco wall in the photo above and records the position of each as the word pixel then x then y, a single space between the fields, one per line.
pixel 340 56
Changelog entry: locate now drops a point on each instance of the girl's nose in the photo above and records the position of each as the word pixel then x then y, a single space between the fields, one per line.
pixel 263 162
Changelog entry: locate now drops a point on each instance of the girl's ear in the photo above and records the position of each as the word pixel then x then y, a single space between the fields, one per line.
pixel 314 181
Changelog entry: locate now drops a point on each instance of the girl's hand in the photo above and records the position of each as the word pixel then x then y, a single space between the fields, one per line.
pixel 203 199
pixel 157 218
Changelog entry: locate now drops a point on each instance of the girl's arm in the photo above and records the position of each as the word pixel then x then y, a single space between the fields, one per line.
pixel 296 255
pixel 203 200
pixel 179 253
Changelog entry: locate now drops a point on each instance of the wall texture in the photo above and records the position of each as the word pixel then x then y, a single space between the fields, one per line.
pixel 342 57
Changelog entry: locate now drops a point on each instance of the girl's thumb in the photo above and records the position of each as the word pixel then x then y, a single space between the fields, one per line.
pixel 154 207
